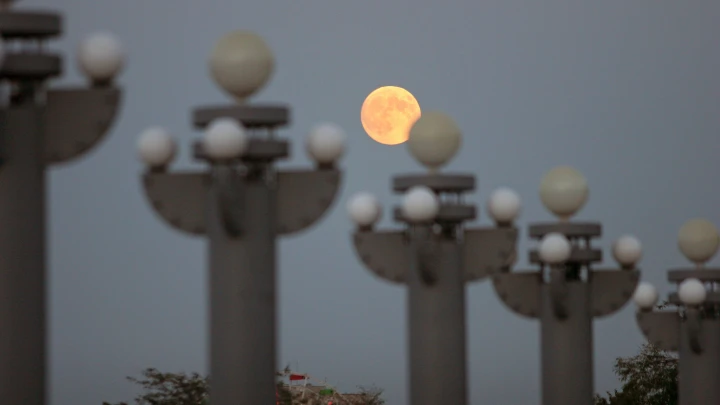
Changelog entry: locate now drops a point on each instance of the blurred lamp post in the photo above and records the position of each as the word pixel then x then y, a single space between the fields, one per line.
pixel 242 203
pixel 693 330
pixel 39 127
pixel 566 292
pixel 435 255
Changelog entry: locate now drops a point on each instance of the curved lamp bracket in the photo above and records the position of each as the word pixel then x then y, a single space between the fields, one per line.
pixel 76 120
pixel 520 292
pixel 303 197
pixel 661 328
pixel 384 253
pixel 488 251
pixel 612 289
pixel 179 199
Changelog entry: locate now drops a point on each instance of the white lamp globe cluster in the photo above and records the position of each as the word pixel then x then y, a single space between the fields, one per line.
pixel 241 63
pixel 698 241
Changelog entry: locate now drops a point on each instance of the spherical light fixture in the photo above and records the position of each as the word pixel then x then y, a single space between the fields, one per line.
pixel 420 204
pixel 627 250
pixel 692 292
pixel 504 205
pixel 241 63
pixel 326 143
pixel 698 240
pixel 101 57
pixel 364 209
pixel 434 139
pixel 156 147
pixel 554 248
pixel 645 296
pixel 564 191
pixel 225 139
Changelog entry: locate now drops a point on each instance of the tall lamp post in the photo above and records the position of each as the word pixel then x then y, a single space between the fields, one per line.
pixel 435 255
pixel 693 330
pixel 242 203
pixel 566 292
pixel 39 127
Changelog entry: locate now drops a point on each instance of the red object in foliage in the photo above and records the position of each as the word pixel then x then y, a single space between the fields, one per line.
pixel 297 377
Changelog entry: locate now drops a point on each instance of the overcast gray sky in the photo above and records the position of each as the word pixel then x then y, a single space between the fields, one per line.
pixel 627 92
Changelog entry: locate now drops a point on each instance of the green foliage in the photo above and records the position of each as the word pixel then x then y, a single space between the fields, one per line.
pixel 169 389
pixel 648 378
pixel 182 389
pixel 371 395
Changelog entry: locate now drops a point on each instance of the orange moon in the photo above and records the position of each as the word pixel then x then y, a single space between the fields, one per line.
pixel 388 113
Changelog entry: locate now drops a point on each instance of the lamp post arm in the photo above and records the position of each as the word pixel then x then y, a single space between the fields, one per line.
pixel 76 120
pixel 611 289
pixel 488 251
pixel 661 328
pixel 179 199
pixel 303 197
pixel 520 292
pixel 384 253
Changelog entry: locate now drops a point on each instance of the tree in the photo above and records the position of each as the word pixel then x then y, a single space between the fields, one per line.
pixel 648 378
pixel 371 395
pixel 160 388
pixel 169 389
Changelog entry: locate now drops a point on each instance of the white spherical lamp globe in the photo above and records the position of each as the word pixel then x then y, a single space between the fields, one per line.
pixel 698 240
pixel 241 63
pixel 156 147
pixel 645 296
pixel 101 57
pixel 326 143
pixel 554 248
pixel 364 209
pixel 627 250
pixel 225 139
pixel 420 204
pixel 564 191
pixel 504 205
pixel 692 292
pixel 434 139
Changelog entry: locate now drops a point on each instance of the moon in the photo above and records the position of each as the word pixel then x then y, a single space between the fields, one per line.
pixel 388 113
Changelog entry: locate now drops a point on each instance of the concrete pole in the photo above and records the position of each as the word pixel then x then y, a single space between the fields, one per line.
pixel 242 293
pixel 23 287
pixel 436 307
pixel 39 127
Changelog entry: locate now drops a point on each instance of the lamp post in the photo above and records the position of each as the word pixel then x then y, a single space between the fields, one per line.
pixel 435 255
pixel 693 330
pixel 566 292
pixel 242 203
pixel 39 127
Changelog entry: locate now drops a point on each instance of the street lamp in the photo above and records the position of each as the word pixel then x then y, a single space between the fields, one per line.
pixel 435 255
pixel 39 127
pixel 242 203
pixel 693 330
pixel 566 292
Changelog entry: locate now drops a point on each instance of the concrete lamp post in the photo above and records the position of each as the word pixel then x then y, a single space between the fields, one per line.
pixel 242 203
pixel 693 330
pixel 566 292
pixel 435 255
pixel 39 127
